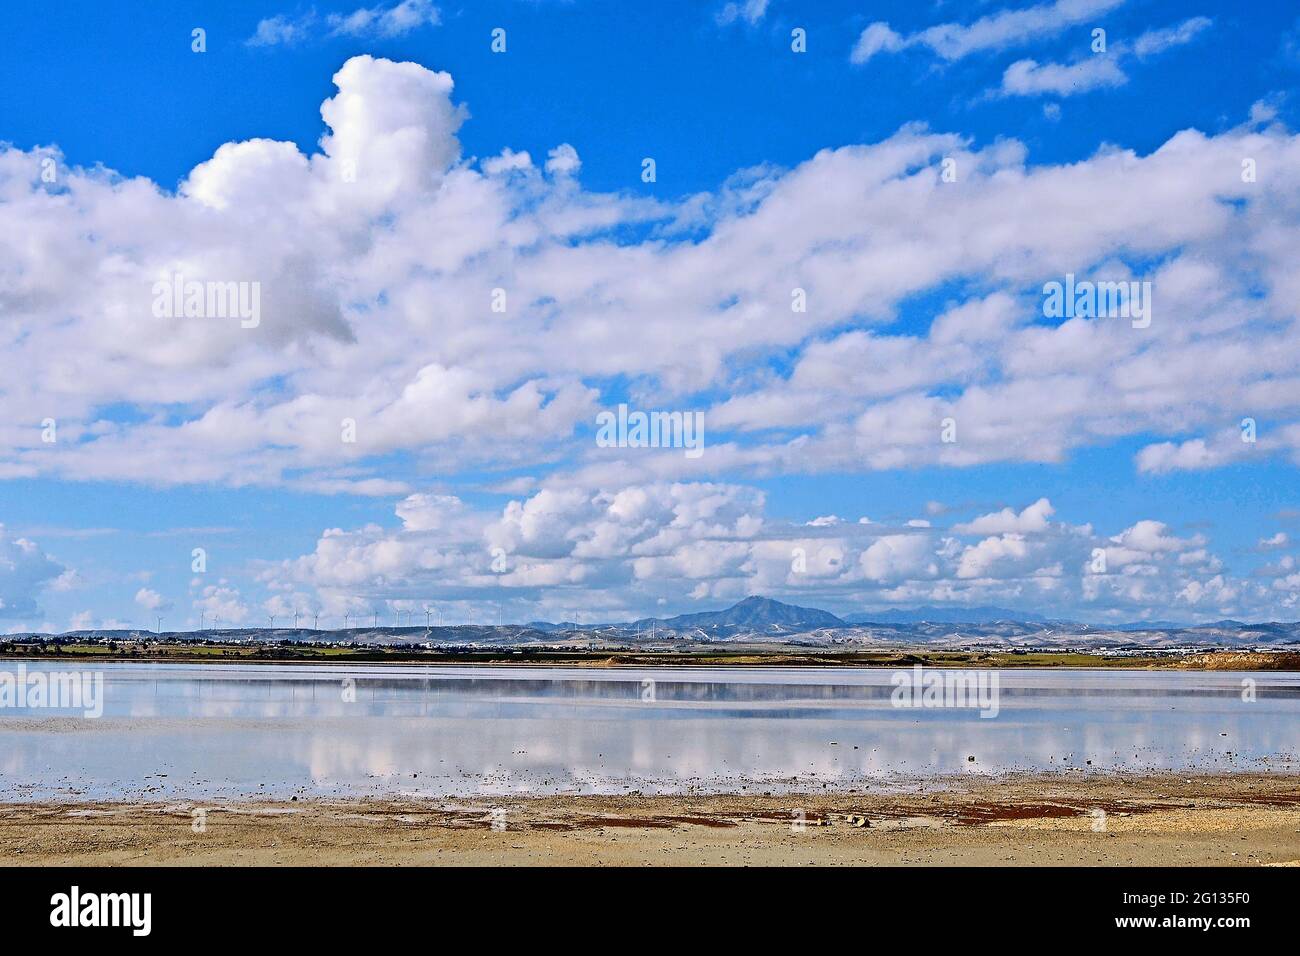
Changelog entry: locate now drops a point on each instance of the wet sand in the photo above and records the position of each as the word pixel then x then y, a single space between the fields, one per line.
pixel 1073 819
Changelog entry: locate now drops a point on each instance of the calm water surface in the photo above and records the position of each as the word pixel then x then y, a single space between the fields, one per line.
pixel 229 730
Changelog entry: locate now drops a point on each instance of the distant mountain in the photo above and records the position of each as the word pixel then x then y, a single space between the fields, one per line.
pixel 943 615
pixel 763 622
pixel 753 614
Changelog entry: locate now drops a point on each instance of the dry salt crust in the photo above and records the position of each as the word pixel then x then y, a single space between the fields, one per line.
pixel 1015 819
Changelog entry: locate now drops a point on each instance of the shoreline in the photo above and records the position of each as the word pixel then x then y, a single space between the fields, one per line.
pixel 1218 660
pixel 1061 819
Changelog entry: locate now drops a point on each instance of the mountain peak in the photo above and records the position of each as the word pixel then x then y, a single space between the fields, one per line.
pixel 755 613
pixel 757 600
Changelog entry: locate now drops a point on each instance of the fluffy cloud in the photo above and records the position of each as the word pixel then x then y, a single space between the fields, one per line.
pixel 1007 521
pixel 151 600
pixel 221 604
pixel 1153 537
pixel 24 571
pixel 617 553
pixel 983 559
pixel 898 557
pixel 461 316
pixel 479 313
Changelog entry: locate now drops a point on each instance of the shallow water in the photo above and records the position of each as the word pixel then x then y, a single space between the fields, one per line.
pixel 199 731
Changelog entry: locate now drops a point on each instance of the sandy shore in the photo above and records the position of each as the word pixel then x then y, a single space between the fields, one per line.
pixel 1074 820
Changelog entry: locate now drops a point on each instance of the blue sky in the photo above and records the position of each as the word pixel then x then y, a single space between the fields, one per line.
pixel 477 429
pixel 614 79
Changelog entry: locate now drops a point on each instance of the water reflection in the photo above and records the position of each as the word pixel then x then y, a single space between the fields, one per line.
pixel 223 730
